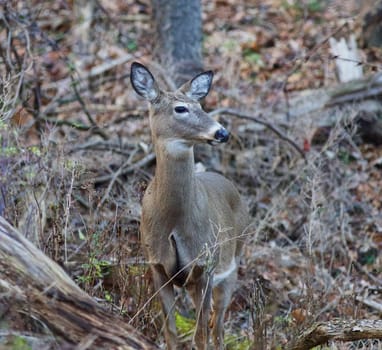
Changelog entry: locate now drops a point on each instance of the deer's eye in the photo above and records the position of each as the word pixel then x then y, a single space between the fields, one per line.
pixel 181 109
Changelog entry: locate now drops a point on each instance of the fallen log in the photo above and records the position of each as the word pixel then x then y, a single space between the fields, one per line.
pixel 356 102
pixel 337 330
pixel 313 102
pixel 37 286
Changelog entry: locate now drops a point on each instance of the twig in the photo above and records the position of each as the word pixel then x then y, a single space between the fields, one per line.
pixel 360 268
pixel 95 71
pixel 73 124
pixel 166 77
pixel 355 96
pixel 144 161
pixel 67 212
pixel 95 128
pixel 325 40
pixel 244 115
pixel 370 303
pixel 111 183
pixel 101 146
pixel 299 62
pixel 104 67
pixel 81 201
pixel 376 67
pixel 9 114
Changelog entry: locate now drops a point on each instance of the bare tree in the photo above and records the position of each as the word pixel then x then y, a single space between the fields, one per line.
pixel 178 42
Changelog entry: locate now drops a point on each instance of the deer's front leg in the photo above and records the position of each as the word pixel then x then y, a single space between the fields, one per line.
pixel 166 294
pixel 221 296
pixel 201 291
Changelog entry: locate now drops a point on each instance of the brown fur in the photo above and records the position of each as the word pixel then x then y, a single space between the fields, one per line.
pixel 192 223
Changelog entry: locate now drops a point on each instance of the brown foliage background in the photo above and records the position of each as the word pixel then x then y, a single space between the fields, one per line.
pixel 76 158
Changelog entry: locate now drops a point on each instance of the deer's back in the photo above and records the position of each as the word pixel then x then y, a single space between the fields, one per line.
pixel 221 192
pixel 228 212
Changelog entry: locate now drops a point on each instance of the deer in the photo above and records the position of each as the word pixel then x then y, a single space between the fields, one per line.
pixel 192 223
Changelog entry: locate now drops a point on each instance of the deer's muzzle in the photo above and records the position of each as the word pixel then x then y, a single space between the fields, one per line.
pixel 222 135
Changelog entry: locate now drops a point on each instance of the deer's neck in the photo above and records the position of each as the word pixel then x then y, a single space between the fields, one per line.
pixel 174 181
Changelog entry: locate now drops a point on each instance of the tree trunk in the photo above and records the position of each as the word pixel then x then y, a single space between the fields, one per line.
pixel 178 42
pixel 372 26
pixel 35 285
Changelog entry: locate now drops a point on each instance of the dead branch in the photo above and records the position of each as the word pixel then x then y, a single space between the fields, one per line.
pixel 83 82
pixel 317 104
pixel 270 126
pixel 36 285
pixel 112 181
pixel 356 90
pixel 72 124
pixel 337 330
pixel 101 145
pixel 96 129
pixel 370 303
pixel 124 171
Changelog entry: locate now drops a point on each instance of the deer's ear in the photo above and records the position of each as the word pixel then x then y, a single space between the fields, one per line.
pixel 198 87
pixel 143 82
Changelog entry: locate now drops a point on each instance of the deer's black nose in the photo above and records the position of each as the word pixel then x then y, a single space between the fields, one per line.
pixel 222 135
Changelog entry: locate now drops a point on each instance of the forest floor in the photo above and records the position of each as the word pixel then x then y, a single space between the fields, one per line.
pixel 76 157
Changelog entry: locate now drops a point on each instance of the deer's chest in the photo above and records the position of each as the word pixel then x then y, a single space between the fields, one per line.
pixel 178 248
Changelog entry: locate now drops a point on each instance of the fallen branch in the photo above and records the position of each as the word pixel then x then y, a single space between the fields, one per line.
pixel 337 330
pixel 86 110
pixel 37 286
pixel 316 106
pixel 356 90
pixel 370 303
pixel 104 67
pixel 73 124
pixel 243 115
pixel 94 72
pixel 65 86
pixel 124 171
pixel 101 145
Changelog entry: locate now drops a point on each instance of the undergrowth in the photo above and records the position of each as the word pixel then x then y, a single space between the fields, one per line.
pixel 296 267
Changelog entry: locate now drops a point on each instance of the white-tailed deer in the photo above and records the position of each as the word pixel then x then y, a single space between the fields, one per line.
pixel 192 223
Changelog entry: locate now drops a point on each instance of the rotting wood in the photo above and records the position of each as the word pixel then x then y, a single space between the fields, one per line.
pixel 36 285
pixel 370 303
pixel 316 101
pixel 316 108
pixel 337 330
pixel 356 90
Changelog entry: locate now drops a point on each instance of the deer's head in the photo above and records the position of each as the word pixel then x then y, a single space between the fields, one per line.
pixel 177 116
